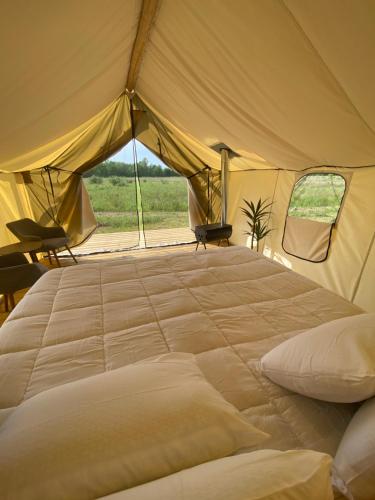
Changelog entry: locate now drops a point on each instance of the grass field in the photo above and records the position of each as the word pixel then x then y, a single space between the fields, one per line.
pixel 164 201
pixel 317 197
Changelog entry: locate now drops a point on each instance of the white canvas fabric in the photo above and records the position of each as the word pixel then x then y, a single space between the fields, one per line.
pixel 287 96
pixel 332 362
pixel 267 78
pixel 307 239
pixel 349 269
pixel 260 475
pixel 227 306
pixel 75 67
pixel 295 93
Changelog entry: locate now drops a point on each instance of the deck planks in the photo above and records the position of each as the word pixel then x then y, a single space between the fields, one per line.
pixel 115 242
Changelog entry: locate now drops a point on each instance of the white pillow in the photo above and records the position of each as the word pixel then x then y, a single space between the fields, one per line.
pixel 108 432
pixel 355 457
pixel 333 362
pixel 260 475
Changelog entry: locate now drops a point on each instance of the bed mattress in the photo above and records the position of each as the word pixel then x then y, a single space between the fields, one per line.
pixel 227 306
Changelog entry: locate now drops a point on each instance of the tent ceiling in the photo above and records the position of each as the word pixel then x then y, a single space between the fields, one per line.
pixel 275 78
pixel 286 84
pixel 61 63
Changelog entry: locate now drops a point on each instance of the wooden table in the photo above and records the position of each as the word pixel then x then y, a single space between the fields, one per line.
pixel 30 247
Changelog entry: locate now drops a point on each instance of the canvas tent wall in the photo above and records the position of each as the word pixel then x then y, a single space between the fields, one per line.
pixel 286 84
pixel 349 268
pixel 56 193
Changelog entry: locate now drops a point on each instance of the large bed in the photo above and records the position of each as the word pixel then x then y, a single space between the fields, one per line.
pixel 227 306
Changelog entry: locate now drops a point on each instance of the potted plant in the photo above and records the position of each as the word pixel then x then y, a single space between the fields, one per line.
pixel 257 219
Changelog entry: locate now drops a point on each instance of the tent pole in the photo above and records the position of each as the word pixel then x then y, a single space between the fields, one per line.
pixel 224 179
pixel 225 153
pixel 138 192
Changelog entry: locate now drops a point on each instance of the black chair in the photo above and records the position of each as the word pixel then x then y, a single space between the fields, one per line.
pixel 51 238
pixel 16 273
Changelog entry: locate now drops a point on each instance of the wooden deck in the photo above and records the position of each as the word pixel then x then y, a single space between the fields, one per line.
pixel 117 242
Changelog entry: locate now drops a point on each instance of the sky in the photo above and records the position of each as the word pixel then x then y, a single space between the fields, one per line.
pixel 126 154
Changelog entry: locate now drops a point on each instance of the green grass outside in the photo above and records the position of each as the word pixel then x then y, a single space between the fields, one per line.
pixel 164 200
pixel 317 197
pixel 117 222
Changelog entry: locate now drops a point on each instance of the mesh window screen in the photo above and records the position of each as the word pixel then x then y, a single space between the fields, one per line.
pixel 317 197
pixel 313 211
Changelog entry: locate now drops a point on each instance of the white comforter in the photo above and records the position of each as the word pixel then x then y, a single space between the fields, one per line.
pixel 227 306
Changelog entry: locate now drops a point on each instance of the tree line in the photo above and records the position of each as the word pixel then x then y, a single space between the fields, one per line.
pixel 118 169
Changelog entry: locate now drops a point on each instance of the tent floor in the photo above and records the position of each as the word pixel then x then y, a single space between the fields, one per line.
pixel 139 253
pixel 117 242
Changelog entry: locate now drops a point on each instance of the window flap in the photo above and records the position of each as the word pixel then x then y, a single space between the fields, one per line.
pixel 307 239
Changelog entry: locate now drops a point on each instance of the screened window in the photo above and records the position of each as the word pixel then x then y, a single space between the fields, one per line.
pixel 317 197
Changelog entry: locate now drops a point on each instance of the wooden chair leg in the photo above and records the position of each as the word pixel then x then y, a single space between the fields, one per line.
pixel 33 257
pixel 196 248
pixel 11 300
pixel 49 257
pixel 75 260
pixel 56 257
pixel 6 302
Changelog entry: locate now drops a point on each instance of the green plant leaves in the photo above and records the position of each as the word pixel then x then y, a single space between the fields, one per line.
pixel 256 215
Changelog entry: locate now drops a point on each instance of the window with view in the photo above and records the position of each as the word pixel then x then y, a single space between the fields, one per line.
pixel 317 197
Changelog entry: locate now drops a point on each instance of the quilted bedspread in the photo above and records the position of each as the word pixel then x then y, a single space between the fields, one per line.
pixel 227 306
